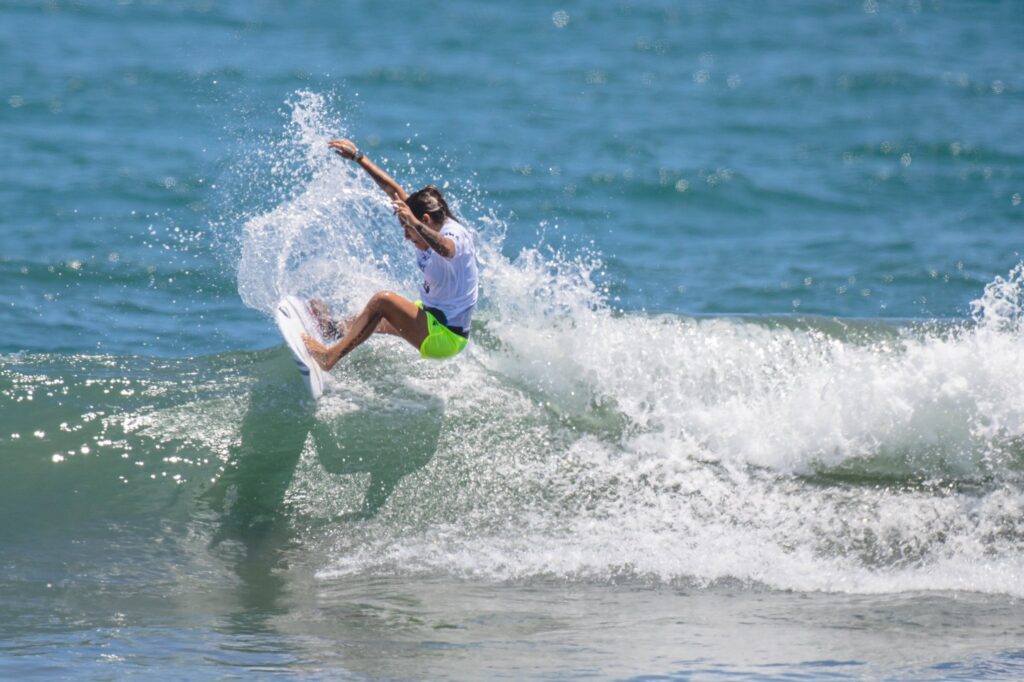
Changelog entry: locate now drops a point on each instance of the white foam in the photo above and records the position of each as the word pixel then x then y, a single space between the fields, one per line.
pixel 582 443
pixel 332 236
pixel 637 448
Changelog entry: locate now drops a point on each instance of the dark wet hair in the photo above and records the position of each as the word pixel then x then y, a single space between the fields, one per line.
pixel 429 200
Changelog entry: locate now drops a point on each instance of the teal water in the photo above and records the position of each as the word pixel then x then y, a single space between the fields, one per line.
pixel 744 398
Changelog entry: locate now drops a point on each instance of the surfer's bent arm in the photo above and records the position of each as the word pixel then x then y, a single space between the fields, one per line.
pixel 348 150
pixel 434 239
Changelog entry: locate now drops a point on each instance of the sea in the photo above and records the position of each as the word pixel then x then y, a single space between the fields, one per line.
pixel 743 399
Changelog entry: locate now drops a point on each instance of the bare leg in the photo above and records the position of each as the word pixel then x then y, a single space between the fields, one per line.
pixel 383 327
pixel 333 328
pixel 401 315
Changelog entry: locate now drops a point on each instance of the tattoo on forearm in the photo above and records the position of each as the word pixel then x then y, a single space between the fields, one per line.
pixel 432 238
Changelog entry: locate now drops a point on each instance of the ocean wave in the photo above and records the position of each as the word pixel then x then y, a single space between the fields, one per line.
pixel 775 452
pixel 572 441
pixel 583 442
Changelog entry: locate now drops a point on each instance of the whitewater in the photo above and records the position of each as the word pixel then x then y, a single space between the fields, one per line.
pixel 585 443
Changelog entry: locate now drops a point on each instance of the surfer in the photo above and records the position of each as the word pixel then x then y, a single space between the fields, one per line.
pixel 438 323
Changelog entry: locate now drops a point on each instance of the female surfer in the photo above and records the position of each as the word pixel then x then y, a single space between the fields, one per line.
pixel 438 323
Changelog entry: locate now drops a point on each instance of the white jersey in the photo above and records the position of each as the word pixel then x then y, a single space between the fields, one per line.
pixel 449 284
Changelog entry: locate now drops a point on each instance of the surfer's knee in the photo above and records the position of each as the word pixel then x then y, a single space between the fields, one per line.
pixel 382 301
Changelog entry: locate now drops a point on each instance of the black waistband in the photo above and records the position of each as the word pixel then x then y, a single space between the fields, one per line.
pixel 443 319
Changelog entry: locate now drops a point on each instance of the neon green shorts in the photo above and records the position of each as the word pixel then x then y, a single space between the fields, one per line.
pixel 441 342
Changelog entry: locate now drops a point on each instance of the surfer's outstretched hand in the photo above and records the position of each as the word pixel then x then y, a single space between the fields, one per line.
pixel 317 351
pixel 347 148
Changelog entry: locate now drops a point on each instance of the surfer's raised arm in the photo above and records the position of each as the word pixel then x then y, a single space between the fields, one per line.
pixel 348 149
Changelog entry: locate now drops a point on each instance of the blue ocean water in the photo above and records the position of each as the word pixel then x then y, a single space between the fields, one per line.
pixel 745 396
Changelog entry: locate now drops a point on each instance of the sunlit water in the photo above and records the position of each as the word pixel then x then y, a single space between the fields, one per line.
pixel 745 396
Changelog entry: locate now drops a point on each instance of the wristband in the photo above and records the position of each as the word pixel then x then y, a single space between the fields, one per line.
pixel 358 156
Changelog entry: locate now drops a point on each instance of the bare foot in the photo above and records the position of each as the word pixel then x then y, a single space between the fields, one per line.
pixel 317 351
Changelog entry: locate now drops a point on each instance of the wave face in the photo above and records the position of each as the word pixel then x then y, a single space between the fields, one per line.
pixel 572 441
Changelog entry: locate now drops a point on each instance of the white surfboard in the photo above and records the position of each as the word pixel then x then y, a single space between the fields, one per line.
pixel 294 320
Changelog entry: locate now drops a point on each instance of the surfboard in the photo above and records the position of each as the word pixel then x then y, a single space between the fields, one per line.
pixel 294 320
